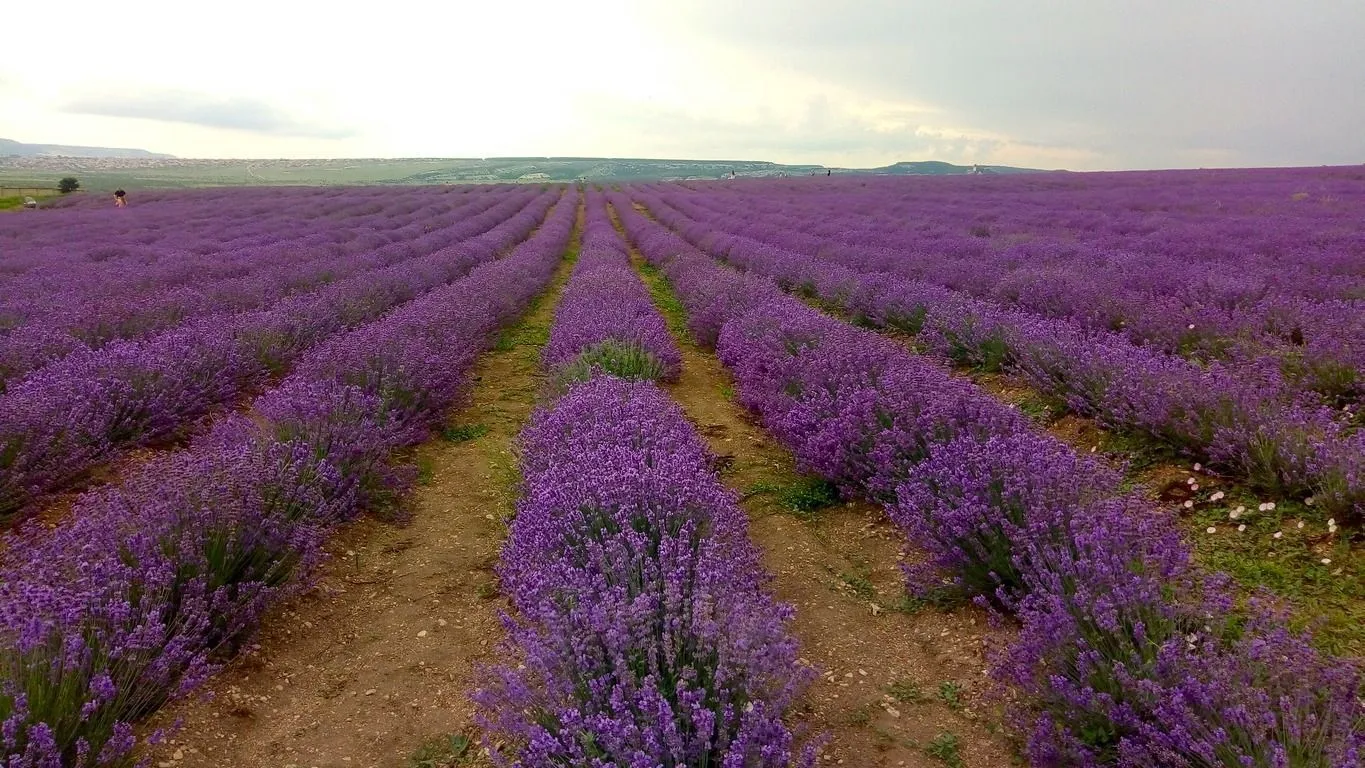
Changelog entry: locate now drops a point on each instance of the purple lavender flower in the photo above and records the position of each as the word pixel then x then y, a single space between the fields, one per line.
pixel 643 631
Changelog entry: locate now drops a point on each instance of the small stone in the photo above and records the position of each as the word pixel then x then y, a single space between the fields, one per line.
pixel 370 692
pixel 423 633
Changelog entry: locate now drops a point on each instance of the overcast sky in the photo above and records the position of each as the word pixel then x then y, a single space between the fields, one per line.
pixel 1083 84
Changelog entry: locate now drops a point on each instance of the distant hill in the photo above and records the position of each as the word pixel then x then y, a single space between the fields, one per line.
pixel 146 170
pixel 11 147
pixel 940 168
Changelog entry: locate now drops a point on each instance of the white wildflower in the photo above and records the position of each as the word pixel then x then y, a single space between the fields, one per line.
pixel 1211 529
pixel 1241 527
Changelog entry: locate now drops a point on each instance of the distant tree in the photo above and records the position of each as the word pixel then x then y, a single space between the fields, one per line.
pixel 68 184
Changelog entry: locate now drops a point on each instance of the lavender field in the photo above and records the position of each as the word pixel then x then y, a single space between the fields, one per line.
pixel 1053 469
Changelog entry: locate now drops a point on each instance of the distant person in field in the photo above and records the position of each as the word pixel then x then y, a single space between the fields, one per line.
pixel 829 171
pixel 120 200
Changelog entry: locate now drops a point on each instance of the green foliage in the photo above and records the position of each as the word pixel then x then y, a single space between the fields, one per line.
pixel 621 359
pixel 860 584
pixel 426 470
pixel 860 716
pixel 463 433
pixel 1330 597
pixel 950 693
pixel 906 692
pixel 68 184
pixel 443 752
pixel 809 495
pixel 945 747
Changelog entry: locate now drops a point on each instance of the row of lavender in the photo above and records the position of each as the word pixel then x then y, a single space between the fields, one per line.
pixel 643 635
pixel 196 221
pixel 1218 314
pixel 1245 421
pixel 1319 344
pixel 92 253
pixel 146 588
pixel 1231 255
pixel 1126 655
pixel 71 309
pixel 63 323
pixel 79 411
pixel 606 319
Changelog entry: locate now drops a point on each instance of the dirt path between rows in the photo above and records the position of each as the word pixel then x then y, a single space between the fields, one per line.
pixel 902 683
pixel 378 659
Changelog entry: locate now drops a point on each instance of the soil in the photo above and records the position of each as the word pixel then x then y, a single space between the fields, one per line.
pixel 378 658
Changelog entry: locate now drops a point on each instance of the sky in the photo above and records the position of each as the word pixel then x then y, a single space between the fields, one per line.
pixel 1080 84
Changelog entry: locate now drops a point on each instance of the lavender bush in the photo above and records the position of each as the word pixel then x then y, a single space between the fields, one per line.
pixel 643 633
pixel 606 319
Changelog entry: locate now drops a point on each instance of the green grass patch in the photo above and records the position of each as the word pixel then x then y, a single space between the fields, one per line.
pixel 426 470
pixel 809 495
pixel 906 692
pixel 859 717
pixel 617 358
pixel 950 693
pixel 1041 409
pixel 667 302
pixel 859 584
pixel 1327 597
pixel 463 433
pixel 443 752
pixel 802 496
pixel 945 747
pixel 760 488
